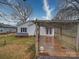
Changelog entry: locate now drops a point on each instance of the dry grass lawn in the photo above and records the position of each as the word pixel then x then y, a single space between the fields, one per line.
pixel 12 47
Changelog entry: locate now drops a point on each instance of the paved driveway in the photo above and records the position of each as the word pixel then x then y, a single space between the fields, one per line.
pixel 53 47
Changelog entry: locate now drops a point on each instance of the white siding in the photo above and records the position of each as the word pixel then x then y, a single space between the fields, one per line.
pixel 43 32
pixel 22 26
pixel 5 30
pixel 31 29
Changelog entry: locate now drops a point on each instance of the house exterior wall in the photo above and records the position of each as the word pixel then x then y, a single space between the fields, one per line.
pixel 31 29
pixel 2 30
pixel 7 30
pixel 43 32
pixel 22 26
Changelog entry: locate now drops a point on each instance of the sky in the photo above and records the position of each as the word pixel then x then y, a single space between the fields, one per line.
pixel 41 9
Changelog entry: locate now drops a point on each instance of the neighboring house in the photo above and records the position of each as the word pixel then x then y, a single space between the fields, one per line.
pixel 4 28
pixel 29 29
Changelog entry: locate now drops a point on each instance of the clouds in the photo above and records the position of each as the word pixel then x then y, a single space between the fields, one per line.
pixel 47 10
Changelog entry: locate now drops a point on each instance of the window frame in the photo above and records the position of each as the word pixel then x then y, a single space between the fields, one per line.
pixel 23 29
pixel 48 30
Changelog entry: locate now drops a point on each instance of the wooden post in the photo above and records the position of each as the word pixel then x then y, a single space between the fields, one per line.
pixel 60 33
pixel 37 39
pixel 77 38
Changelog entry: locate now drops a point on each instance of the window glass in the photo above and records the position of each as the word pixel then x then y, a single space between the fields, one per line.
pixel 23 29
pixel 48 30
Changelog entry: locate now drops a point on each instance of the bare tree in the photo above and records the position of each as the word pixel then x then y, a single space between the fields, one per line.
pixel 21 10
pixel 68 10
pixel 66 3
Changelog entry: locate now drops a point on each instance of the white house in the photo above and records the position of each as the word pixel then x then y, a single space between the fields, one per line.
pixel 29 28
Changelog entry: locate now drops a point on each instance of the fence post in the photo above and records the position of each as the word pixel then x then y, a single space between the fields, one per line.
pixel 37 39
pixel 77 38
pixel 60 33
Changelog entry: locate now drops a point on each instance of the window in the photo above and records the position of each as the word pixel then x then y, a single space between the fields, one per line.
pixel 48 30
pixel 23 29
